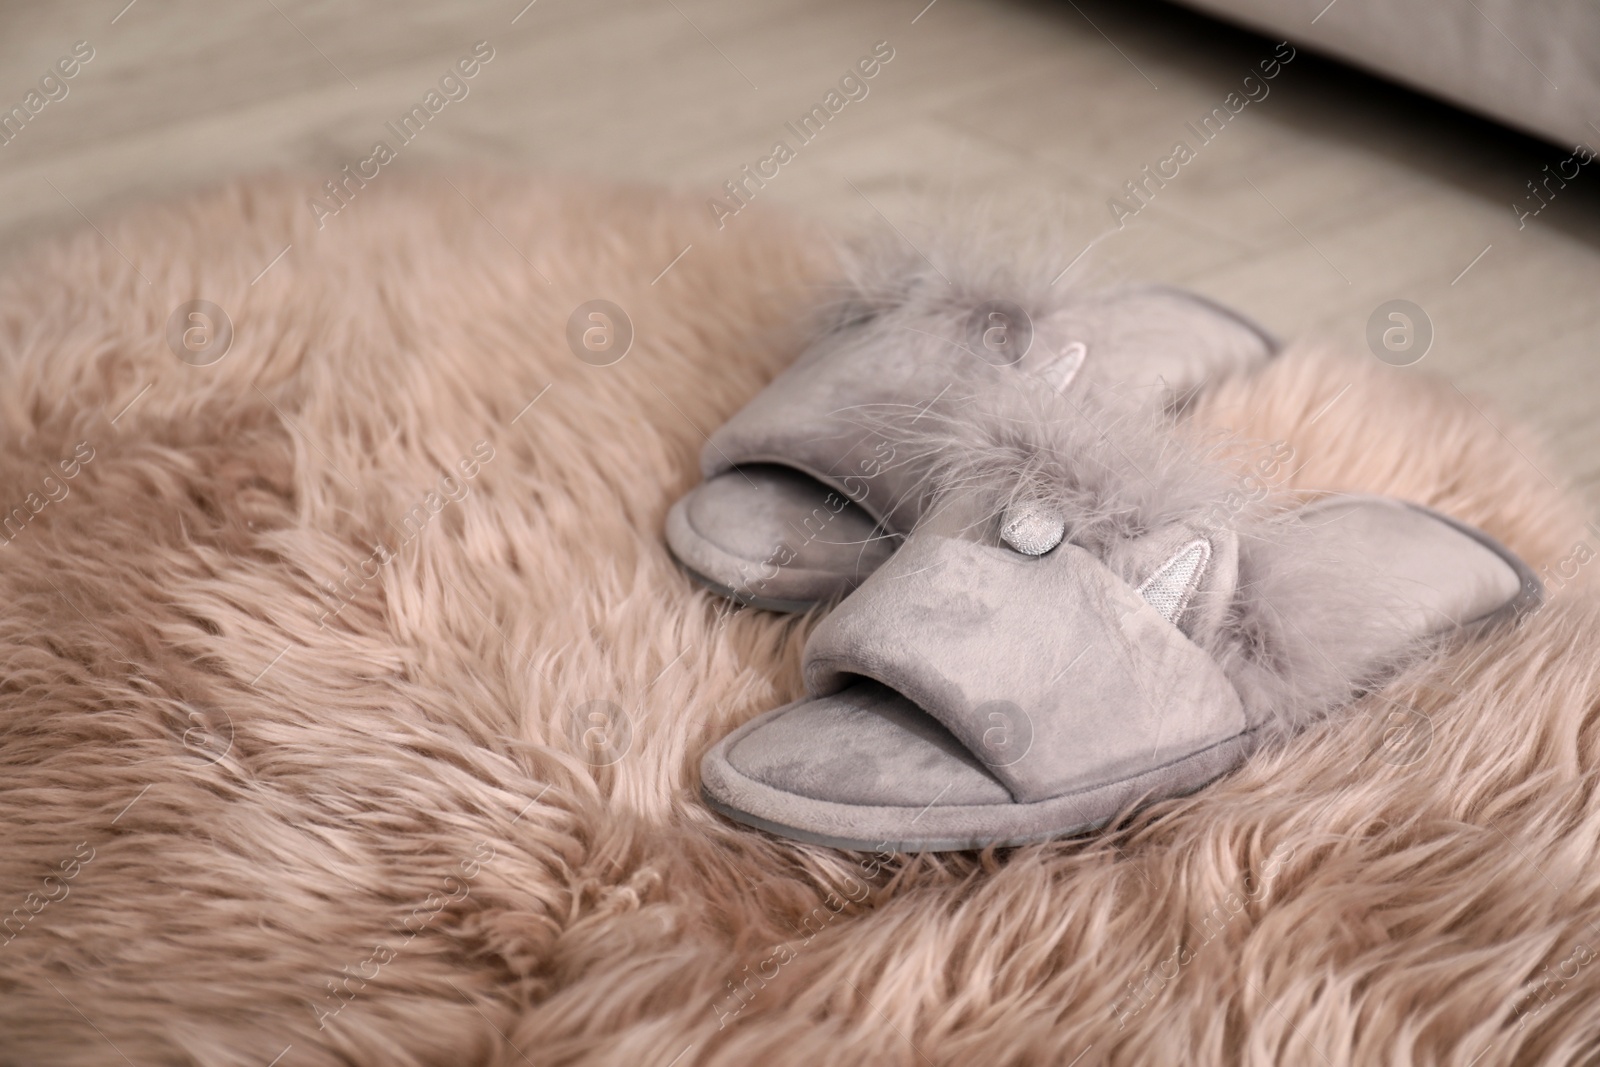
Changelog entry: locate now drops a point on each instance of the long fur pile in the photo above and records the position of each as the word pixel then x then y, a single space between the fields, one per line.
pixel 243 826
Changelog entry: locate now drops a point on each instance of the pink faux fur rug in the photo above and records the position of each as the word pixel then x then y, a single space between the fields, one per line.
pixel 350 706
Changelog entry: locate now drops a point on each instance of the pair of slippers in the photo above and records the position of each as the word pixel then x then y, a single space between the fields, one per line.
pixel 1053 607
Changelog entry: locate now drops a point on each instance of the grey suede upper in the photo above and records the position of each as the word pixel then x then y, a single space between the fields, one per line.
pixel 1051 670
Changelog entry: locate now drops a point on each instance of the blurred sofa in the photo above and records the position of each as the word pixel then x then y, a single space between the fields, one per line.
pixel 1532 64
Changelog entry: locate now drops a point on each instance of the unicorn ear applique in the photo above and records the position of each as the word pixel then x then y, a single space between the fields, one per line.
pixel 1062 368
pixel 1169 589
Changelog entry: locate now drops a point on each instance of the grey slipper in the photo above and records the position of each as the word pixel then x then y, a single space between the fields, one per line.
pixel 972 692
pixel 803 499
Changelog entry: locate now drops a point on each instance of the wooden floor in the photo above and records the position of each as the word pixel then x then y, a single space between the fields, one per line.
pixel 1316 204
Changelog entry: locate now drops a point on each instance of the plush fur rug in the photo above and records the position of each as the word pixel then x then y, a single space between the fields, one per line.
pixel 350 708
